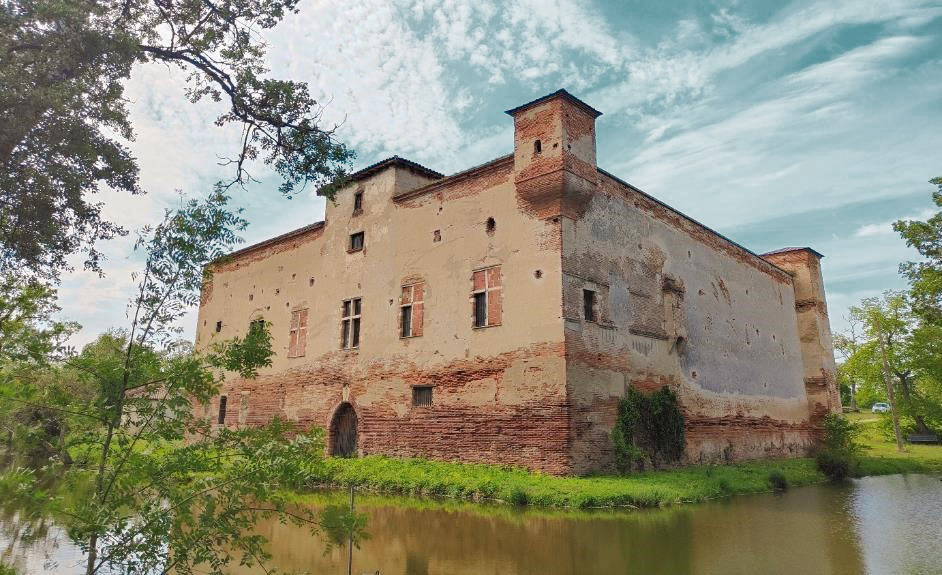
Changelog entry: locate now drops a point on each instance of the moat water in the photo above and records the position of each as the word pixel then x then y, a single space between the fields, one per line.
pixel 878 525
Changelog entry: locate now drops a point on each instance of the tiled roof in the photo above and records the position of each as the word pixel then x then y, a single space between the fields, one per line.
pixel 394 161
pixel 276 239
pixel 595 113
pixel 794 249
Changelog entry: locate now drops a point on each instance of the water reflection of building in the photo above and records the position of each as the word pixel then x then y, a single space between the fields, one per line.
pixel 808 531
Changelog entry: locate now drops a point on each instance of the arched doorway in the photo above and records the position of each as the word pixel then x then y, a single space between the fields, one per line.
pixel 343 432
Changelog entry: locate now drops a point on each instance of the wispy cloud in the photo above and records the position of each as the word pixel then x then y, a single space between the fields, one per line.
pixel 733 114
pixel 886 227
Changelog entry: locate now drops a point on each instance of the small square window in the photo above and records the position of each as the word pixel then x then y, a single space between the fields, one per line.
pixel 588 304
pixel 356 242
pixel 422 395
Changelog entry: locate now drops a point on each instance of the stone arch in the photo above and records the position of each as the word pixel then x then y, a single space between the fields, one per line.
pixel 344 431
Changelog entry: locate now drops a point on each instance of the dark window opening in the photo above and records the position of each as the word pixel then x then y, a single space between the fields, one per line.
pixel 350 324
pixel 356 242
pixel 406 321
pixel 490 225
pixel 480 309
pixel 218 326
pixel 537 147
pixel 588 304
pixel 222 410
pixel 357 202
pixel 422 395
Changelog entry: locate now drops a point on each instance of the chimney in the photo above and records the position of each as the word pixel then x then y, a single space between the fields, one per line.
pixel 554 153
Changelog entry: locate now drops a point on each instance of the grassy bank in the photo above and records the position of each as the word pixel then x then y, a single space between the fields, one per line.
pixel 650 489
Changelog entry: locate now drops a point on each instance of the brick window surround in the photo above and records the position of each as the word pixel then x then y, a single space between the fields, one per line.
pixel 486 304
pixel 412 310
pixel 297 334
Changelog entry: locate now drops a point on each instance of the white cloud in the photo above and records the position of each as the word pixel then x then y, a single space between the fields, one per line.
pixel 886 227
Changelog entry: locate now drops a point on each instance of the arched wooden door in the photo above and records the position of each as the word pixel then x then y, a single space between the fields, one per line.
pixel 343 432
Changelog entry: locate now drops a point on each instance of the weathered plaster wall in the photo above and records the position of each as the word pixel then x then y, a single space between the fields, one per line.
pixel 814 330
pixel 499 391
pixel 679 306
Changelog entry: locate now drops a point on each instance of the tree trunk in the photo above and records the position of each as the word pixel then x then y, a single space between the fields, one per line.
pixel 888 380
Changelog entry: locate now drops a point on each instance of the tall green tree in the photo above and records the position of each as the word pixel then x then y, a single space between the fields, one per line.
pixel 64 124
pixel 163 488
pixel 925 276
pixel 891 328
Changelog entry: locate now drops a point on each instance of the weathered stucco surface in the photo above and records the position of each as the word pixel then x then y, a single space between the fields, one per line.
pixel 676 304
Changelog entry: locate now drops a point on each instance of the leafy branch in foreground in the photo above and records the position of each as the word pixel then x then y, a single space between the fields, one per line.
pixel 925 276
pixel 163 488
pixel 65 123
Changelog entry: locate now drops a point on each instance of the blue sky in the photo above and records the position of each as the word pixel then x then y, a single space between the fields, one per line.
pixel 775 123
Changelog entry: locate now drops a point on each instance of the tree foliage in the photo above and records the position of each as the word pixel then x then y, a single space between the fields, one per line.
pixel 925 276
pixel 163 489
pixel 914 356
pixel 64 124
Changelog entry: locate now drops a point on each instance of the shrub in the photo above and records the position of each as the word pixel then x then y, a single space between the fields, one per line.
pixel 836 465
pixel 519 497
pixel 778 481
pixel 840 434
pixel 836 457
pixel 649 429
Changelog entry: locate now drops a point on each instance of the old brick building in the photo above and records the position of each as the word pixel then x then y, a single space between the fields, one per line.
pixel 499 313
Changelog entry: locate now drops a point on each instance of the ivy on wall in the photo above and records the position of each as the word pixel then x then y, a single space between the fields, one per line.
pixel 649 430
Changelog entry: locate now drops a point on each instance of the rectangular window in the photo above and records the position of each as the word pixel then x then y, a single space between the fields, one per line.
pixel 356 242
pixel 588 304
pixel 222 410
pixel 480 309
pixel 350 324
pixel 412 310
pixel 357 203
pixel 297 334
pixel 422 395
pixel 218 326
pixel 486 297
pixel 406 321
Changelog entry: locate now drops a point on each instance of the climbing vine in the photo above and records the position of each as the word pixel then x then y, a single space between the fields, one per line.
pixel 649 430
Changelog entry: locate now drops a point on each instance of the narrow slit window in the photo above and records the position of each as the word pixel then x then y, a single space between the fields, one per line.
pixel 350 323
pixel 588 304
pixel 222 410
pixel 422 395
pixel 480 309
pixel 356 242
pixel 357 202
pixel 218 326
pixel 537 147
pixel 406 321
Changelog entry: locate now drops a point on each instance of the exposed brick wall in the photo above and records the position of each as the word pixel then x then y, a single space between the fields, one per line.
pixel 508 409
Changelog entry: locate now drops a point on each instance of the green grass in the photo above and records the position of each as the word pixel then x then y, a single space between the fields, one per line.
pixel 880 456
pixel 495 483
pixel 511 485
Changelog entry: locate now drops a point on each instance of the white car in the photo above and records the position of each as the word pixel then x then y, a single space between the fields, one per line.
pixel 880 407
